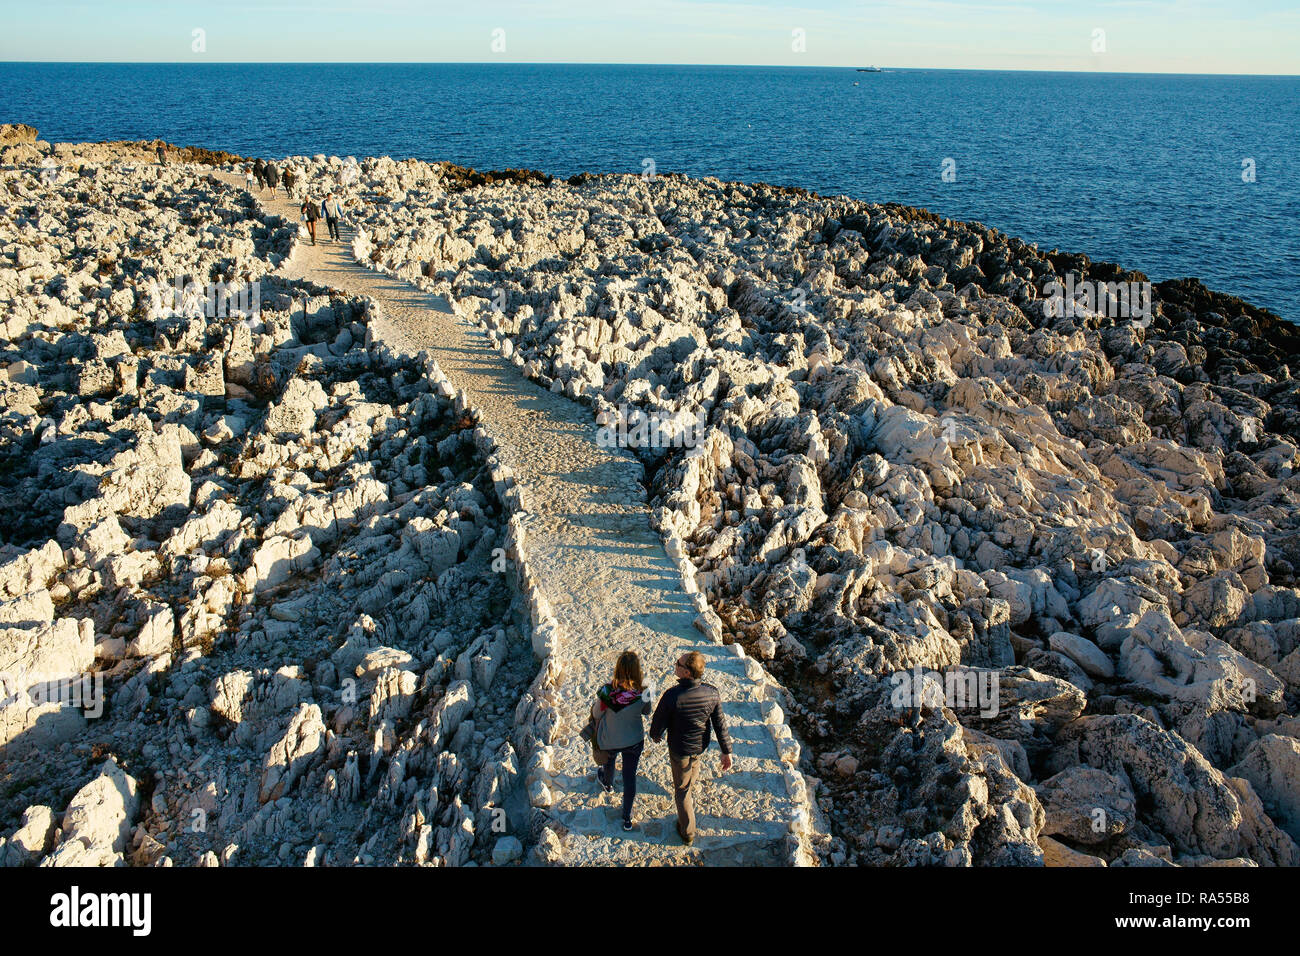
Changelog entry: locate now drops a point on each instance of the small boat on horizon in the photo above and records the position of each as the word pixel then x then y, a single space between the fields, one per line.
pixel 869 69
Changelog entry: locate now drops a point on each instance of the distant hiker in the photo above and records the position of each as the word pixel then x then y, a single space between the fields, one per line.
pixel 617 713
pixel 332 211
pixel 310 212
pixel 248 178
pixel 272 176
pixel 686 713
pixel 259 173
pixel 288 179
pixel 162 156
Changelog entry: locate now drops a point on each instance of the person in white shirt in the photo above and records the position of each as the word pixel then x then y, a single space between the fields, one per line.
pixel 332 211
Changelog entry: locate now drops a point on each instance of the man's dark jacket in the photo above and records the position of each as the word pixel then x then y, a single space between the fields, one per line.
pixel 686 711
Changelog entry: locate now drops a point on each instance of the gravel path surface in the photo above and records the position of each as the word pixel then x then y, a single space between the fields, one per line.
pixel 610 585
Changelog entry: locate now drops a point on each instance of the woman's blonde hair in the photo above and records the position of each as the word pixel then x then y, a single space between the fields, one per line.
pixel 627 672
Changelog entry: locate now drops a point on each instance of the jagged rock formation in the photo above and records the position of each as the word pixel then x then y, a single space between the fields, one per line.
pixel 1029 577
pixel 248 555
pixel 908 459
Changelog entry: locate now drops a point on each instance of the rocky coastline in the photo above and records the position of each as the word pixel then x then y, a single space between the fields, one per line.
pixel 1029 574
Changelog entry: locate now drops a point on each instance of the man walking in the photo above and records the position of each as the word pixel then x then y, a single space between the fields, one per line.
pixel 330 207
pixel 686 712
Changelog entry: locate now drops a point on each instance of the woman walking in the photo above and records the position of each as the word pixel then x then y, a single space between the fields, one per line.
pixel 618 712
pixel 310 212
pixel 272 178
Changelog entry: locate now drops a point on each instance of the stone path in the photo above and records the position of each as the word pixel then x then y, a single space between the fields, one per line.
pixel 610 585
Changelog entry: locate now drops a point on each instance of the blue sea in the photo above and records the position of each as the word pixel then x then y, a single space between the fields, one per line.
pixel 1145 170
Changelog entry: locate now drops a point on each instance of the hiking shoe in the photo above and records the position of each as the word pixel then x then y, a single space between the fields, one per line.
pixel 627 824
pixel 685 839
pixel 600 779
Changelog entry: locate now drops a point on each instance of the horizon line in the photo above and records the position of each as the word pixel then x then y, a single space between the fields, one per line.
pixel 767 66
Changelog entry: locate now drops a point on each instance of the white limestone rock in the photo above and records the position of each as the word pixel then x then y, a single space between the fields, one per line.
pixel 1087 655
pixel 1272 765
pixel 98 821
pixel 291 756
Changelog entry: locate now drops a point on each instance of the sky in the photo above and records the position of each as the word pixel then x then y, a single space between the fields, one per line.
pixel 1126 36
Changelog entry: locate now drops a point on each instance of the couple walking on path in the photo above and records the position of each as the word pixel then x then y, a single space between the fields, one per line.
pixel 329 210
pixel 268 175
pixel 686 713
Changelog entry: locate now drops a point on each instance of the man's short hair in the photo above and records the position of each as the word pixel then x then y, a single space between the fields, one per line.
pixel 695 664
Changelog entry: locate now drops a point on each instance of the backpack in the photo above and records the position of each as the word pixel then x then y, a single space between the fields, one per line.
pixel 591 733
